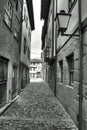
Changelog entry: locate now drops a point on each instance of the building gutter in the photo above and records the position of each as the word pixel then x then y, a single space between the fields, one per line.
pixel 55 70
pixel 55 55
pixel 21 28
pixel 81 67
pixel 53 30
pixel 53 50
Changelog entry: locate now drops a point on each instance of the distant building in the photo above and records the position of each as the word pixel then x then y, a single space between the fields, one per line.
pixel 35 69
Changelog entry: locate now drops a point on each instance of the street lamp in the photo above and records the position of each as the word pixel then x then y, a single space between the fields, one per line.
pixel 63 19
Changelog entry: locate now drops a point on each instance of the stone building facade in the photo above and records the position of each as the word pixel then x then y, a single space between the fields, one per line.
pixel 10 49
pixel 27 27
pixel 10 26
pixel 67 79
pixel 47 43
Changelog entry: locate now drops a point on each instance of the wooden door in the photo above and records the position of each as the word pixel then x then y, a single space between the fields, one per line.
pixel 14 81
pixel 3 81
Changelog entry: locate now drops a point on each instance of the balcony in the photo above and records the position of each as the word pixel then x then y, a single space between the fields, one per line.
pixel 47 56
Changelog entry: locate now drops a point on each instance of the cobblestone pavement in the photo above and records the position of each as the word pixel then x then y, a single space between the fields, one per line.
pixel 36 109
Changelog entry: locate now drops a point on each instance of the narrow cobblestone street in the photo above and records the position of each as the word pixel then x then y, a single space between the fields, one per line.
pixel 36 109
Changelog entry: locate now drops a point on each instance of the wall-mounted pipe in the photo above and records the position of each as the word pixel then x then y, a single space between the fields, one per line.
pixel 81 67
pixel 55 38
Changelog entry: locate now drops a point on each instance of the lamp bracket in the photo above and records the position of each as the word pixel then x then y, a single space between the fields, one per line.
pixel 77 35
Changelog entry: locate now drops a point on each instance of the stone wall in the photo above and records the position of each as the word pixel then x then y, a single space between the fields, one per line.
pixel 68 95
pixel 85 79
pixel 9 45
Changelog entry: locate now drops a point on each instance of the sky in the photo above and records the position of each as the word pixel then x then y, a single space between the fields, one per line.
pixel 36 34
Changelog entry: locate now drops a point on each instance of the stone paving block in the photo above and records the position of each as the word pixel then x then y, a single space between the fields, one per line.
pixel 36 109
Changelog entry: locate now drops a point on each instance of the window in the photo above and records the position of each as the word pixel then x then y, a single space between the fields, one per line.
pixel 70 60
pixel 16 34
pixel 17 5
pixel 24 45
pixel 8 13
pixel 71 4
pixel 26 21
pixel 61 71
pixel 30 68
pixel 28 53
pixel 14 81
pixel 33 75
pixel 33 69
pixel 29 34
pixel 16 2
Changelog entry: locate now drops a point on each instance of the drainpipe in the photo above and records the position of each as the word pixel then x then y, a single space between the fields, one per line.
pixel 55 65
pixel 55 54
pixel 53 49
pixel 81 68
pixel 20 45
pixel 53 30
pixel 21 26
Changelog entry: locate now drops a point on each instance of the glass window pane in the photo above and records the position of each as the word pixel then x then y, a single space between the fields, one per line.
pixel 1 70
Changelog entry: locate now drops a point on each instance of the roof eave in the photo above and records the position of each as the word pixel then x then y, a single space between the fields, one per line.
pixel 45 4
pixel 31 13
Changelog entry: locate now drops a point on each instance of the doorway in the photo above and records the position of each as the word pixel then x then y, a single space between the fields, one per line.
pixel 14 81
pixel 3 80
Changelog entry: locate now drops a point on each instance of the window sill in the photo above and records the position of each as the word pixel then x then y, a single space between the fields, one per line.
pixel 68 86
pixel 16 38
pixel 7 26
pixel 60 83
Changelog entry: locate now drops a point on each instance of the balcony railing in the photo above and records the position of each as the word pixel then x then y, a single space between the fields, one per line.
pixel 47 57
